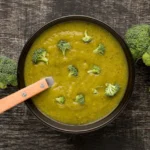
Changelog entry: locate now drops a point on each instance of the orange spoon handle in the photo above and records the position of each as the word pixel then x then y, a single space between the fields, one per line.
pixel 22 95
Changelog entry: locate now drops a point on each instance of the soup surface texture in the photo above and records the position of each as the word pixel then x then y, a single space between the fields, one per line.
pixel 113 64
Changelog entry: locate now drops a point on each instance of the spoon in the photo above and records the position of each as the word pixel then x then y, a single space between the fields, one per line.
pixel 25 93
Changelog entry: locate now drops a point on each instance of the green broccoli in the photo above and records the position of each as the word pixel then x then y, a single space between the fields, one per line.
pixel 63 46
pixel 112 90
pixel 146 57
pixel 80 99
pixel 95 70
pixel 39 55
pixel 60 100
pixel 8 72
pixel 86 38
pixel 95 91
pixel 138 39
pixel 100 49
pixel 3 86
pixel 73 71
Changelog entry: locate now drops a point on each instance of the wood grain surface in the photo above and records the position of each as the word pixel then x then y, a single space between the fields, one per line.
pixel 20 130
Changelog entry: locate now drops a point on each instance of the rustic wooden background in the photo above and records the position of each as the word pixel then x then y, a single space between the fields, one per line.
pixel 20 130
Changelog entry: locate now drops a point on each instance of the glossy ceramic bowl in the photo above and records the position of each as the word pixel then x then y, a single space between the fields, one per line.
pixel 94 125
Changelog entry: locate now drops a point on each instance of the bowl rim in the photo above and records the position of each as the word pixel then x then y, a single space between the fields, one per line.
pixel 76 129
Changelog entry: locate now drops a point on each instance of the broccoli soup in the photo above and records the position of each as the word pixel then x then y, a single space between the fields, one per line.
pixel 89 68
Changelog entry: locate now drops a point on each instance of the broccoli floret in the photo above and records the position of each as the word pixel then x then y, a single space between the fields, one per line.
pixel 73 71
pixel 60 100
pixel 3 85
pixel 39 55
pixel 8 79
pixel 138 39
pixel 86 38
pixel 95 91
pixel 100 49
pixel 95 70
pixel 63 46
pixel 8 72
pixel 146 57
pixel 80 99
pixel 112 90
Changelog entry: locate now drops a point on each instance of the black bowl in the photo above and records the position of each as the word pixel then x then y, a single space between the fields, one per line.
pixel 94 125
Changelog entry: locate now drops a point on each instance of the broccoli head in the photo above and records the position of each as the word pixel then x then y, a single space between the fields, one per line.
pixel 63 46
pixel 80 99
pixel 8 72
pixel 73 71
pixel 146 57
pixel 138 39
pixel 86 38
pixel 60 100
pixel 100 49
pixel 112 90
pixel 95 70
pixel 39 55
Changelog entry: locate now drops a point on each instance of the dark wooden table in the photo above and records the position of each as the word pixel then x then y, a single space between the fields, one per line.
pixel 20 130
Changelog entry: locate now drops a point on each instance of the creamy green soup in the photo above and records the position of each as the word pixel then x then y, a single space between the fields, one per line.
pixel 112 63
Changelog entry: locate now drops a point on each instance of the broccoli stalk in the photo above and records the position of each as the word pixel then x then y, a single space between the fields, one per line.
pixel 95 70
pixel 60 100
pixel 138 39
pixel 73 71
pixel 111 90
pixel 63 46
pixel 86 38
pixel 39 55
pixel 8 72
pixel 100 49
pixel 80 99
